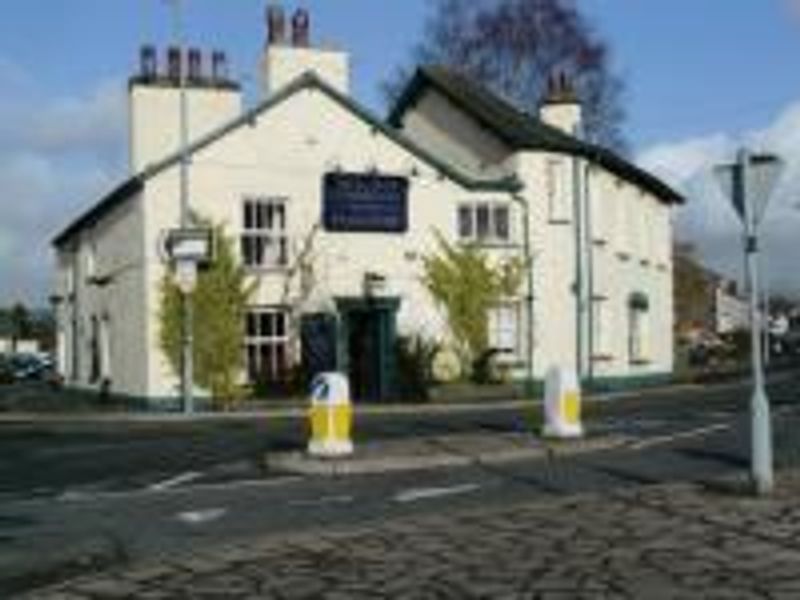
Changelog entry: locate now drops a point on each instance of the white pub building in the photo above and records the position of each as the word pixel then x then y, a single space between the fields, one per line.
pixel 308 175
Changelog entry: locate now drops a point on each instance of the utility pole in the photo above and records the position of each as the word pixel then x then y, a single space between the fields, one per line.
pixel 749 183
pixel 187 364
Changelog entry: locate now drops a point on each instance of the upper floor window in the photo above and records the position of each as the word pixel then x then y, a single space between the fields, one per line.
pixel 484 223
pixel 559 190
pixel 264 240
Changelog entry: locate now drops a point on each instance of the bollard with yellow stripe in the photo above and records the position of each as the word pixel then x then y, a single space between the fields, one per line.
pixel 562 404
pixel 330 416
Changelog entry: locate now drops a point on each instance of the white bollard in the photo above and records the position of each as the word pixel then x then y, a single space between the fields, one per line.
pixel 562 404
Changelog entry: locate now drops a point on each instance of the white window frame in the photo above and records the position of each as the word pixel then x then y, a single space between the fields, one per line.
pixel 558 188
pixel 257 342
pixel 504 327
pixel 264 241
pixel 468 213
pixel 638 335
pixel 601 330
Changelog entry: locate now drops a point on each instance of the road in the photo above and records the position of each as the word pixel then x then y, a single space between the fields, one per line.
pixel 78 496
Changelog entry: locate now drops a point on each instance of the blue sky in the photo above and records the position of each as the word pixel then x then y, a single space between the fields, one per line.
pixel 701 75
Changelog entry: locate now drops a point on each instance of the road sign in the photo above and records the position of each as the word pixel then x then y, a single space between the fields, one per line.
pixel 763 175
pixel 186 275
pixel 763 172
pixel 729 178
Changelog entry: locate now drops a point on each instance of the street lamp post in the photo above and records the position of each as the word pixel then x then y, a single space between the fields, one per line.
pixel 187 313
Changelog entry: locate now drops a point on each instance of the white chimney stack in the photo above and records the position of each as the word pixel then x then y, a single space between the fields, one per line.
pixel 287 57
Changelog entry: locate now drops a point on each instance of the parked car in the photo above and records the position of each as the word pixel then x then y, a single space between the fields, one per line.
pixel 30 367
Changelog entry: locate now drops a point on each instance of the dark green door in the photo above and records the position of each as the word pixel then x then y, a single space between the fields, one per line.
pixel 368 340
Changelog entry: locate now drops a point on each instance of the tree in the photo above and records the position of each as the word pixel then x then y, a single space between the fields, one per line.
pixel 514 46
pixel 219 302
pixel 694 291
pixel 21 324
pixel 467 285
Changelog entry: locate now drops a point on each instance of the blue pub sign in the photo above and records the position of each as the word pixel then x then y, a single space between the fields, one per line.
pixel 355 202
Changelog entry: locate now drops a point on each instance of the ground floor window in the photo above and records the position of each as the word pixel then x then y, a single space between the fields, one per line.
pixel 504 327
pixel 601 333
pixel 266 345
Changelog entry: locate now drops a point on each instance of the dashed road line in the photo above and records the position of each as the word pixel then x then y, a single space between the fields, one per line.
pixel 414 494
pixel 174 481
pixel 681 435
pixel 198 517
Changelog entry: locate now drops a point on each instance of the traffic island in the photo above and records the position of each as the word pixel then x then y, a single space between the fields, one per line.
pixel 440 451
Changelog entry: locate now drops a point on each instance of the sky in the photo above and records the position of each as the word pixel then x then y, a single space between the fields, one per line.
pixel 702 78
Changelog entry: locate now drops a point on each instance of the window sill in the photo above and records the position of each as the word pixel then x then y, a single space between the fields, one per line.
pixel 644 262
pixel 640 362
pixel 266 270
pixel 600 358
pixel 490 244
pixel 600 242
pixel 559 221
pixel 623 256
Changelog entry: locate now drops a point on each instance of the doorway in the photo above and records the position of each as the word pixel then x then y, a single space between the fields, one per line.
pixel 368 346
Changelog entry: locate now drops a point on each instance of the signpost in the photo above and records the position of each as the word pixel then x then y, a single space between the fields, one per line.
pixel 749 183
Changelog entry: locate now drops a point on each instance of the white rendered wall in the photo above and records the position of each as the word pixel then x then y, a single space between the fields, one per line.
pixel 316 136
pixel 115 247
pixel 280 65
pixel 442 128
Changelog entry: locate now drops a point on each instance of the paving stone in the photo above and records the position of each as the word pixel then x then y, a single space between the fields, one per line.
pixel 662 543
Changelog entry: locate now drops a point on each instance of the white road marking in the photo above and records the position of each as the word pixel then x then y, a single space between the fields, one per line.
pixel 682 435
pixel 197 517
pixel 322 501
pixel 79 496
pixel 174 481
pixel 415 494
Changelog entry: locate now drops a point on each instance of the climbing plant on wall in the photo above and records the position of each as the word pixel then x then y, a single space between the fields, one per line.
pixel 466 283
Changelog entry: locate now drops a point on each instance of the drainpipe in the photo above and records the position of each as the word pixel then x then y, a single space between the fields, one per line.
pixel 589 248
pixel 526 245
pixel 579 287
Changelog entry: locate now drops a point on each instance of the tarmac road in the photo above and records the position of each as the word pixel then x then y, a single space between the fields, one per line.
pixel 76 496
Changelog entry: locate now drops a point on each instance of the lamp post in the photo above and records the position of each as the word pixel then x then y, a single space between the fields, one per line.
pixel 187 313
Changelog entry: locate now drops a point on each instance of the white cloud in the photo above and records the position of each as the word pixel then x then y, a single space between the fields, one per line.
pixel 709 222
pixel 58 155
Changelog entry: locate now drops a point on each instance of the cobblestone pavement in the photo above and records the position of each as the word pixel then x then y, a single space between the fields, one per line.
pixel 658 542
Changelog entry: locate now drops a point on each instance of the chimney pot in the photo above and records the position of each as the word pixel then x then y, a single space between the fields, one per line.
pixel 301 22
pixel 148 67
pixel 219 67
pixel 276 25
pixel 174 63
pixel 195 67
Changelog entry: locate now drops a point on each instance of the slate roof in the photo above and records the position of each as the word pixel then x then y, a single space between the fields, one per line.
pixel 520 130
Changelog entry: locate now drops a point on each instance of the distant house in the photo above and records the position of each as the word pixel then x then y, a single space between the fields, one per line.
pixel 707 304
